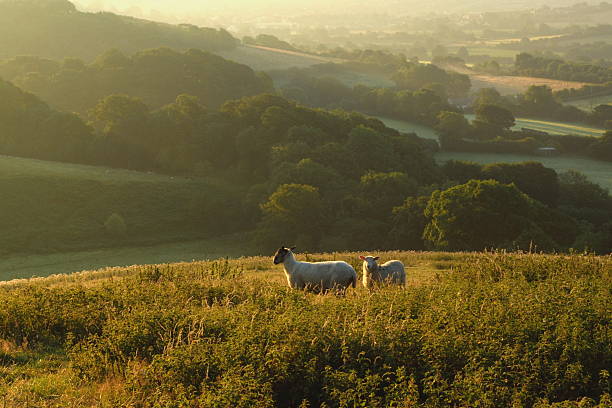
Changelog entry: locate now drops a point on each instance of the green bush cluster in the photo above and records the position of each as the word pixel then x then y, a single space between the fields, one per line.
pixel 500 330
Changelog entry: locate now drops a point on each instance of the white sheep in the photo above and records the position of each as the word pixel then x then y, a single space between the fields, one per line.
pixel 315 276
pixel 390 272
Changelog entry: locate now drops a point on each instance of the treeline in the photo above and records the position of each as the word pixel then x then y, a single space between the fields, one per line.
pixel 539 101
pixel 157 76
pixel 322 88
pixel 530 65
pixel 491 130
pixel 56 29
pixel 587 91
pixel 324 180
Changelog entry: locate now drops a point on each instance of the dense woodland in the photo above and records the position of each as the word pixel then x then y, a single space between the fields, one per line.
pixel 156 76
pixel 323 179
pixel 529 65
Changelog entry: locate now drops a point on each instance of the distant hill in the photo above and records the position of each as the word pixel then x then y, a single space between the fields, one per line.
pixel 157 76
pixel 56 29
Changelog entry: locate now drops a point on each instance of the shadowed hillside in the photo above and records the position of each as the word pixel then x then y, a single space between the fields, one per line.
pixel 56 29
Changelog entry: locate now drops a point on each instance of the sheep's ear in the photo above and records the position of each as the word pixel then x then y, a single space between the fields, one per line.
pixel 376 258
pixel 362 257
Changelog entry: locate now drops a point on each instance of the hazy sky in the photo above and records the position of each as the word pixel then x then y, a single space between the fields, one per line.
pixel 196 9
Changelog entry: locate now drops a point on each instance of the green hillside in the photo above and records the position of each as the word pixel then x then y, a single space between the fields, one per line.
pixel 470 329
pixel 54 207
pixel 56 29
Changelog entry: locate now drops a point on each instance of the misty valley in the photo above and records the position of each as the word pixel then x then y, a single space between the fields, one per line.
pixel 305 204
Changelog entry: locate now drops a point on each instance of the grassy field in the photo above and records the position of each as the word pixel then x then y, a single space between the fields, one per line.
pixel 470 329
pixel 266 59
pixel 554 128
pixel 597 171
pixel 42 265
pixel 408 127
pixel 48 207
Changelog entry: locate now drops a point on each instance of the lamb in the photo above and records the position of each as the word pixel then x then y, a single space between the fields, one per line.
pixel 390 272
pixel 315 276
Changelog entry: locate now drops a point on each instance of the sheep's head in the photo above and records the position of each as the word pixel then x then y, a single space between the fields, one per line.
pixel 281 254
pixel 370 262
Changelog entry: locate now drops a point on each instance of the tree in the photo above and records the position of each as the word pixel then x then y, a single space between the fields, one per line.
pixel 496 116
pixel 453 125
pixel 462 171
pixel 476 215
pixel 294 212
pixel 409 223
pixel 383 191
pixel 532 178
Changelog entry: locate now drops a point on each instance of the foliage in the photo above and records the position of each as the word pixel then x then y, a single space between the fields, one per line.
pixel 501 329
pixel 529 65
pixel 488 214
pixel 157 76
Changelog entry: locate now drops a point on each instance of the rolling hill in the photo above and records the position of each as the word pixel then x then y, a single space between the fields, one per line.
pixel 49 207
pixel 56 29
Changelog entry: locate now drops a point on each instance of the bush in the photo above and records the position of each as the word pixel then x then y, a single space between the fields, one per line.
pixel 115 225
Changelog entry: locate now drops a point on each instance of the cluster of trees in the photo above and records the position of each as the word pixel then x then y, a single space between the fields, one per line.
pixel 156 76
pixel 587 91
pixel 530 65
pixel 322 88
pixel 56 29
pixel 539 101
pixel 490 130
pixel 415 76
pixel 324 180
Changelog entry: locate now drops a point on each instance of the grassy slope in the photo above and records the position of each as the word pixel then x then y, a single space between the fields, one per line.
pixel 265 59
pixel 56 207
pixel 509 315
pixel 42 265
pixel 554 128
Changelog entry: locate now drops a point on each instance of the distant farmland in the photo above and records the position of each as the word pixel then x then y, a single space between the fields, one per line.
pixel 554 128
pixel 597 171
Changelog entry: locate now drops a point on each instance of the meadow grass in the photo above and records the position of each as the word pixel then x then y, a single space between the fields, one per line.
pixel 470 329
pixel 554 128
pixel 50 207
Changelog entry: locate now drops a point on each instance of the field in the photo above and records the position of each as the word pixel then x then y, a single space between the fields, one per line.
pixel 554 128
pixel 408 127
pixel 597 171
pixel 470 329
pixel 42 265
pixel 510 85
pixel 266 59
pixel 49 207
